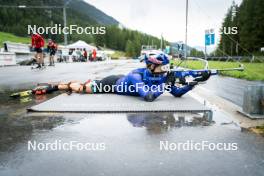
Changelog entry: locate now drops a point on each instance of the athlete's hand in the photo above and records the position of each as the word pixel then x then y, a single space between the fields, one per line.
pixel 170 78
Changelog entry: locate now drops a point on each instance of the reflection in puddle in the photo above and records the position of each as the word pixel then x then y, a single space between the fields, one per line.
pixel 16 125
pixel 162 122
pixel 16 130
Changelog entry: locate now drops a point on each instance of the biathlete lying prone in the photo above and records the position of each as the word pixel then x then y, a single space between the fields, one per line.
pixel 148 83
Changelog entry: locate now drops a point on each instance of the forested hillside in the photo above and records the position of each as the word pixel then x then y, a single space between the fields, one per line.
pixel 249 18
pixel 15 20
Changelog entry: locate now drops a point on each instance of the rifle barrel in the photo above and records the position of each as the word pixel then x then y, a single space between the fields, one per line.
pixel 231 69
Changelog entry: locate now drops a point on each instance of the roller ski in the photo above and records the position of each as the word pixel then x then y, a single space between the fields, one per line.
pixel 41 89
pixel 39 66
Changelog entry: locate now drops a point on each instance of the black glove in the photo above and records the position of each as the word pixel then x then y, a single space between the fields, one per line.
pixel 192 83
pixel 204 76
pixel 170 78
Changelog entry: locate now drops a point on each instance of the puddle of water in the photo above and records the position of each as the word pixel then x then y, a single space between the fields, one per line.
pixel 15 125
pixel 132 144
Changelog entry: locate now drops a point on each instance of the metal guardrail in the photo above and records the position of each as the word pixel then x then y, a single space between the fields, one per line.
pixel 253 97
pixel 234 58
pixel 226 58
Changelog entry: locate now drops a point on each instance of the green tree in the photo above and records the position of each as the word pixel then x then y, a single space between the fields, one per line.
pixel 130 50
pixel 251 17
pixel 196 53
pixel 228 41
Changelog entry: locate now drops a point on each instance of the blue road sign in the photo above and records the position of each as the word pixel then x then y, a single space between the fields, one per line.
pixel 212 39
pixel 209 39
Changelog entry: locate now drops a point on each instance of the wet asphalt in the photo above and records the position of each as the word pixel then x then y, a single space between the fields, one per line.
pixel 131 141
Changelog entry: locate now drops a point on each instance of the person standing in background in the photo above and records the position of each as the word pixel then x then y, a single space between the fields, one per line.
pixel 52 48
pixel 85 54
pixel 94 55
pixel 37 43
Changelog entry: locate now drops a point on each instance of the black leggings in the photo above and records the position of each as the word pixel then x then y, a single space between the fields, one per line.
pixel 107 81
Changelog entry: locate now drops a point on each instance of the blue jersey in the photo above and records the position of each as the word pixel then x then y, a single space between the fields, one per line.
pixel 141 82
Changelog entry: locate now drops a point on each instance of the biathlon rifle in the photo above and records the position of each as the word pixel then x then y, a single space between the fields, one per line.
pixel 179 75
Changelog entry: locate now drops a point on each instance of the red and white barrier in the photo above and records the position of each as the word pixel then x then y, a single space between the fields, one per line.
pixel 7 58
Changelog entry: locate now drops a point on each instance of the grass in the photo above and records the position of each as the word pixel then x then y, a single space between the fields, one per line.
pixel 118 54
pixel 12 38
pixel 258 129
pixel 253 71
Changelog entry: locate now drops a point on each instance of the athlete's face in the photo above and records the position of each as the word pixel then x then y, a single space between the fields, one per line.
pixel 158 70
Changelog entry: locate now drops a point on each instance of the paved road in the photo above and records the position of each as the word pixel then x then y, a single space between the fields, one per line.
pixel 21 77
pixel 132 141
